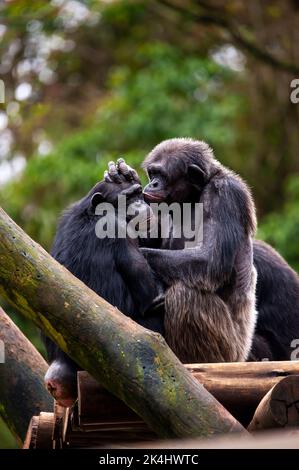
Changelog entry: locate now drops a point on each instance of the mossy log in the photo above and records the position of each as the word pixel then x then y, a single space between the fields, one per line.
pixel 22 370
pixel 133 363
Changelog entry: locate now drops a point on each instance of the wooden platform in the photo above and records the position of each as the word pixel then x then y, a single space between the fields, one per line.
pixel 98 419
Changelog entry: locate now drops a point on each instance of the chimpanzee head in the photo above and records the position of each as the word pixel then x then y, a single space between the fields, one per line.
pixel 178 170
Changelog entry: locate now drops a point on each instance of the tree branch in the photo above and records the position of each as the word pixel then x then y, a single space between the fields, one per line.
pixel 217 18
pixel 22 390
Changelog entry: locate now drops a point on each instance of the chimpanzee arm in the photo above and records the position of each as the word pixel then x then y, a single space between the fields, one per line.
pixel 228 224
pixel 172 265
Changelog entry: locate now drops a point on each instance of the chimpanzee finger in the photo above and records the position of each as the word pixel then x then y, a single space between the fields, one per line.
pixel 134 175
pixel 107 177
pixel 129 173
pixel 113 172
pixel 122 167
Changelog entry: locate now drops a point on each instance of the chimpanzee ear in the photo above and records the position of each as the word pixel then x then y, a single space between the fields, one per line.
pixel 96 199
pixel 196 175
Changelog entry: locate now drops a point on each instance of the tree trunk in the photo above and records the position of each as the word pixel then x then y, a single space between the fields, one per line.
pixel 280 406
pixel 22 391
pixel 133 363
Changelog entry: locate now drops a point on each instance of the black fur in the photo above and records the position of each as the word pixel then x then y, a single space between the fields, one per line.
pixel 210 305
pixel 277 305
pixel 277 284
pixel 113 268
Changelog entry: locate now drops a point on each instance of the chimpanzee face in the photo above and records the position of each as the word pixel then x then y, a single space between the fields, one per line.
pixel 177 185
pixel 178 169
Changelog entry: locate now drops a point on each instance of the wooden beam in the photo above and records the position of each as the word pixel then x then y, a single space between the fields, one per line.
pixel 238 386
pixel 22 391
pixel 40 432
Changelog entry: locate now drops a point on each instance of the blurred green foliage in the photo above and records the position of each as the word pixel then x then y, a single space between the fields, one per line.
pixel 115 78
pixel 281 229
pixel 170 95
pixel 7 440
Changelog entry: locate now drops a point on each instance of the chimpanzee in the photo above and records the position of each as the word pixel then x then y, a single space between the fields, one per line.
pixel 210 298
pixel 112 267
pixel 185 170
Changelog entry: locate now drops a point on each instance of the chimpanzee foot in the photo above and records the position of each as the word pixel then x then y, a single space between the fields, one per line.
pixel 61 382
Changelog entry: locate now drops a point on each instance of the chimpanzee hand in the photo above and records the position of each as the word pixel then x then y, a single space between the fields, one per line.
pixel 119 172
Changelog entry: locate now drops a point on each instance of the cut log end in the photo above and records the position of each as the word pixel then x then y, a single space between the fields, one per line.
pixel 40 432
pixel 280 406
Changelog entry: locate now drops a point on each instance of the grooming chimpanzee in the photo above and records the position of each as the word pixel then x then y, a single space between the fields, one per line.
pixel 210 298
pixel 112 267
pixel 184 170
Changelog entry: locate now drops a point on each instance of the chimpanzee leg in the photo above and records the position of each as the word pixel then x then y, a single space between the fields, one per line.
pixel 61 377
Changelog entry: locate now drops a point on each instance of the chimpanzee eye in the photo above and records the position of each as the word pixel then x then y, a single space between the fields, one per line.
pixel 155 173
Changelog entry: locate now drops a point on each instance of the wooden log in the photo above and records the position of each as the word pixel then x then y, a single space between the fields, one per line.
pixel 58 418
pixel 241 386
pixel 98 408
pixel 133 363
pixel 22 391
pixel 44 439
pixel 68 433
pixel 101 420
pixel 30 439
pixel 40 432
pixel 280 406
pixel 238 386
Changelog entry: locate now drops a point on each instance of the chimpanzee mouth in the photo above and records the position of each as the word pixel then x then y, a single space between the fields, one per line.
pixel 154 197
